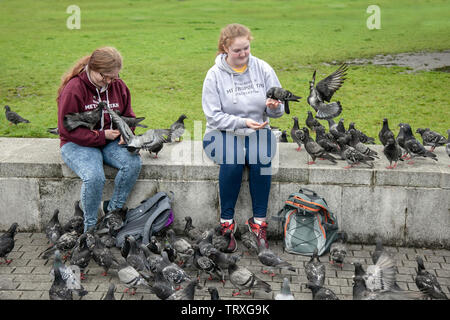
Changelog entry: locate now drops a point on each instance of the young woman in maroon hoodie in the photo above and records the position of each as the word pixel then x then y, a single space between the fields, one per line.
pixel 93 79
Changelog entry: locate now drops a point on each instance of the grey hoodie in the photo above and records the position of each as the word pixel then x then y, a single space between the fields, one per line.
pixel 229 97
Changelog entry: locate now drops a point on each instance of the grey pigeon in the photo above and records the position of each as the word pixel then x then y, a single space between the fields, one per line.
pixel 81 254
pixel 381 276
pixel 283 137
pixel 76 222
pixel 312 123
pixel 86 119
pixel 131 278
pixel 352 156
pixel 13 117
pixel 338 250
pixel 173 273
pixel 335 129
pixel 111 223
pixel 7 242
pixel 249 241
pixel 182 246
pixel 152 141
pixel 136 258
pixel 431 138
pixel 65 244
pixel 221 241
pixel 205 244
pixel 315 270
pixel 392 150
pixel 324 91
pixel 59 289
pixel 383 135
pixel 282 95
pixel 222 259
pixel 326 142
pixel 177 128
pixel 359 146
pixel 131 121
pixel 360 292
pixel 414 147
pixel 53 229
pixel 242 278
pixel 361 135
pixel 285 292
pixel 319 292
pixel 205 264
pixel 103 256
pixel 268 258
pixel 161 287
pixel 110 293
pixel 427 282
pixel 295 132
pixel 191 231
pixel 187 293
pixel 69 275
pixel 213 293
pixel 54 131
pixel 313 148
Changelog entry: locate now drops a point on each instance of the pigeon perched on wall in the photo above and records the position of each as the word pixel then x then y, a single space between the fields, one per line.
pixel 285 292
pixel 86 119
pixel 338 249
pixel 177 129
pixel 283 137
pixel 268 258
pixel 53 229
pixel 324 91
pixel 361 135
pixel 7 242
pixel 384 134
pixel 359 146
pixel 110 293
pixel 427 282
pixel 352 156
pixel 431 138
pixel 244 279
pixel 13 117
pixel 401 138
pixel 313 148
pixel 337 129
pixel 326 142
pixel 312 122
pixel 295 131
pixel 319 292
pixel 282 95
pixel 315 270
pixel 414 147
pixel 392 150
pixel 152 141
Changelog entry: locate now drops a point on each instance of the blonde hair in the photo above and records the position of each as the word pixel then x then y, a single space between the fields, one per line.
pixel 231 32
pixel 103 60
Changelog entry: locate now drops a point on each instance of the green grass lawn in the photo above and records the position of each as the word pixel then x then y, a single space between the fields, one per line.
pixel 168 46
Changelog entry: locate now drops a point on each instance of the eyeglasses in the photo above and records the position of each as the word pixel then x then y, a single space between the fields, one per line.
pixel 107 78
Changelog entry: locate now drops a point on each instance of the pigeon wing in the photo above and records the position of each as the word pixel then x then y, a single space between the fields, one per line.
pixel 328 86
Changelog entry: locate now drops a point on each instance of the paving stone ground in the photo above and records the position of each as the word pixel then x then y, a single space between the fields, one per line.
pixel 27 276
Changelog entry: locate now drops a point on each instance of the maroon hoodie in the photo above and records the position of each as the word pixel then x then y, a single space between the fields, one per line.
pixel 80 95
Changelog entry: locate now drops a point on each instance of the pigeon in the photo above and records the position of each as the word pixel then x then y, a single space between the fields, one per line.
pixel 182 246
pixel 282 95
pixel 352 156
pixel 131 278
pixel 13 117
pixel 59 289
pixel 285 292
pixel 54 131
pixel 329 145
pixel 205 264
pixel 360 292
pixel 315 270
pixel 171 252
pixel 295 131
pixel 173 273
pixel 381 275
pixel 359 146
pixel 214 293
pixel 131 121
pixel 361 135
pixel 335 129
pixel 190 231
pixel 177 129
pixel 431 138
pixel 414 147
pixel 312 122
pixel 65 244
pixel 110 294
pixel 110 223
pixel 427 282
pixel 154 245
pixel 103 256
pixel 53 229
pixel 401 138
pixel 81 255
pixel 338 249
pixel 86 119
pixel 187 293
pixel 136 258
pixel 384 134
pixel 222 259
pixel 161 287
pixel 7 242
pixel 249 241
pixel 324 91
pixel 283 137
pixel 152 141
pixel 69 275
pixel 319 292
pixel 392 150
pixel 242 278
pixel 313 148
pixel 268 258
pixel 222 241
pixel 76 222
pixel 205 244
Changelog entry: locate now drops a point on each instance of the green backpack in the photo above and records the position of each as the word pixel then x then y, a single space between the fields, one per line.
pixel 307 223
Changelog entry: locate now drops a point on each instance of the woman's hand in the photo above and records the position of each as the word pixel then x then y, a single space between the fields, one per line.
pixel 111 134
pixel 272 103
pixel 255 125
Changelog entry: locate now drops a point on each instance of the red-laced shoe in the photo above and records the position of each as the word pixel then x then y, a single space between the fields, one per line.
pixel 227 227
pixel 260 230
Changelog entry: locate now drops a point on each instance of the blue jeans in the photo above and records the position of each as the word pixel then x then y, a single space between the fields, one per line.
pixel 87 163
pixel 238 152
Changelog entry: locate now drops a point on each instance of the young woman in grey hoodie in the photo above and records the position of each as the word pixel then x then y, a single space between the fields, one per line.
pixel 237 130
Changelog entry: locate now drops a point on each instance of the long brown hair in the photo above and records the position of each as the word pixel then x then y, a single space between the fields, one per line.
pixel 104 60
pixel 231 32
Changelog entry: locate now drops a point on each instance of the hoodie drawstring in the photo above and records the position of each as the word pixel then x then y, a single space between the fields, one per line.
pixel 102 123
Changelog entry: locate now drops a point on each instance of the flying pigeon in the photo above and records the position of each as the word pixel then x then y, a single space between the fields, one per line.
pixel 242 278
pixel 381 275
pixel 324 91
pixel 392 150
pixel 282 95
pixel 268 258
pixel 110 294
pixel 360 292
pixel 285 292
pixel 131 278
pixel 13 117
pixel 313 148
pixel 177 129
pixel 338 250
pixel 7 242
pixel 312 122
pixel 315 270
pixel 359 146
pixel 361 135
pixel 352 156
pixel 187 293
pixel 319 292
pixel 414 147
pixel 427 282
pixel 384 134
pixel 86 119
pixel 431 138
pixel 81 255
pixel 214 293
pixel 295 131
pixel 53 229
